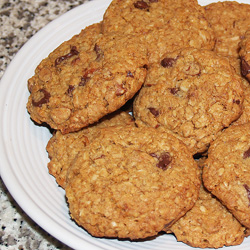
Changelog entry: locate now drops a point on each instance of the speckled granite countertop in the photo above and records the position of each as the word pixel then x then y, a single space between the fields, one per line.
pixel 20 20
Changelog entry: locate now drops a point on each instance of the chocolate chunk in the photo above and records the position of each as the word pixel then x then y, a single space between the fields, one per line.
pixel 167 62
pixel 248 192
pixel 246 154
pixel 129 74
pixel 70 90
pixel 98 51
pixel 174 91
pixel 43 100
pixel 73 52
pixel 141 5
pixel 245 67
pixel 164 160
pixel 83 81
pixel 154 111
pixel 236 101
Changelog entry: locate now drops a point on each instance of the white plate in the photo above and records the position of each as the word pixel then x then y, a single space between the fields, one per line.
pixel 24 159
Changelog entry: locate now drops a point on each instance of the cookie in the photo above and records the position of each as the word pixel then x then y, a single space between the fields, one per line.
pixel 165 25
pixel 230 21
pixel 208 224
pixel 85 78
pixel 226 171
pixel 63 148
pixel 194 93
pixel 245 55
pixel 131 183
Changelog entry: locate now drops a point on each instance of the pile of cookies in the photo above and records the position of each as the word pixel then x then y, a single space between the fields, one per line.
pixel 151 116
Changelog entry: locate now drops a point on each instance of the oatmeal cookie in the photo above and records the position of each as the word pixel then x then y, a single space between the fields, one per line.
pixel 63 148
pixel 230 21
pixel 194 93
pixel 245 54
pixel 85 78
pixel 226 171
pixel 208 224
pixel 132 183
pixel 165 25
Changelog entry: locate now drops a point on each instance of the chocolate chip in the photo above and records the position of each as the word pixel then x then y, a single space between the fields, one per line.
pixel 129 74
pixel 164 160
pixel 236 101
pixel 83 81
pixel 43 100
pixel 245 67
pixel 248 192
pixel 153 1
pixel 145 66
pixel 246 154
pixel 70 90
pixel 73 52
pixel 154 111
pixel 168 62
pixel 141 5
pixel 174 91
pixel 98 51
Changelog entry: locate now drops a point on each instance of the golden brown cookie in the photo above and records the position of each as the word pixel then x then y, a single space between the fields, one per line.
pixel 165 25
pixel 131 183
pixel 85 78
pixel 194 93
pixel 226 172
pixel 63 148
pixel 208 224
pixel 230 21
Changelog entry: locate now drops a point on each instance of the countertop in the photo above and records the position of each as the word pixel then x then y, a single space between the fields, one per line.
pixel 19 21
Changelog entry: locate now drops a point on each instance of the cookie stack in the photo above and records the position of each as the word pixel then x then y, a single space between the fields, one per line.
pixel 151 116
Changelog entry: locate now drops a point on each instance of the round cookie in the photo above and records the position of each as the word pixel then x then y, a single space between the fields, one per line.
pixel 85 78
pixel 245 55
pixel 165 25
pixel 132 183
pixel 194 93
pixel 230 21
pixel 63 148
pixel 208 224
pixel 226 171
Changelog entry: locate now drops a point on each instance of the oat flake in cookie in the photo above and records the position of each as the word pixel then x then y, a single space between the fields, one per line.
pixel 194 93
pixel 131 183
pixel 227 171
pixel 85 78
pixel 63 148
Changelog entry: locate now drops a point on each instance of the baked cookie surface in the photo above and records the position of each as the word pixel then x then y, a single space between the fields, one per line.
pixel 85 78
pixel 63 148
pixel 230 21
pixel 226 171
pixel 131 183
pixel 208 224
pixel 194 93
pixel 165 25
pixel 245 54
